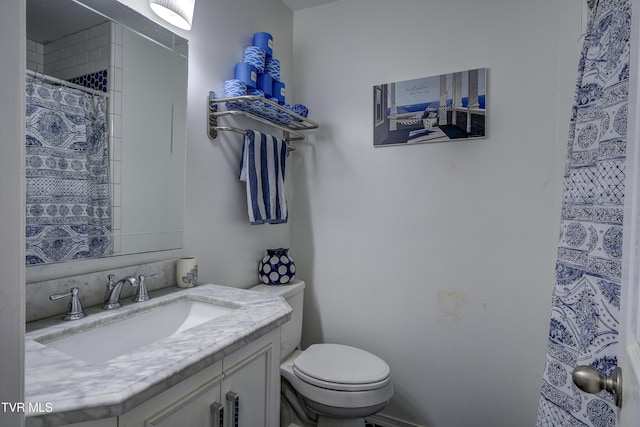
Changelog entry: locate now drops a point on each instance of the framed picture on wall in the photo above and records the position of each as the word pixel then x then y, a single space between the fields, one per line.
pixel 442 108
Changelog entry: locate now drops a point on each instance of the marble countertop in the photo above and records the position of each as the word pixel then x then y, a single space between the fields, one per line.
pixel 61 389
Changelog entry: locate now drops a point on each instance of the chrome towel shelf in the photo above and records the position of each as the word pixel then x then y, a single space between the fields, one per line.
pixel 261 110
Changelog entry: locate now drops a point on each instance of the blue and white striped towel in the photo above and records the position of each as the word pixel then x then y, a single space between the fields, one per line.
pixel 262 168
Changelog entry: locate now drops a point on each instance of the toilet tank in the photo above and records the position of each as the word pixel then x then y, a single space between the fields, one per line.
pixel 290 332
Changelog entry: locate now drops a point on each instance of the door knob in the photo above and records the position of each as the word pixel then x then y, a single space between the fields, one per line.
pixel 591 381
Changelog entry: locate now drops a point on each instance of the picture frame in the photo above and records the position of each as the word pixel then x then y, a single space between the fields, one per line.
pixel 442 108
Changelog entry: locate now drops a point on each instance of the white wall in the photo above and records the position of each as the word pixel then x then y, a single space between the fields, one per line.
pixel 217 225
pixel 12 208
pixel 390 239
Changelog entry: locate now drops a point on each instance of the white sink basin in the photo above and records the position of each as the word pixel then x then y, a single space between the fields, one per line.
pixel 107 342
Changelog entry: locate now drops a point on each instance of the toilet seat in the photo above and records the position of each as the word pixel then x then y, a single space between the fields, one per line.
pixel 348 400
pixel 342 368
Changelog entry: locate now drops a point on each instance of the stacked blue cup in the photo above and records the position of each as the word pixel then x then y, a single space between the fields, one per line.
pixel 273 111
pixel 259 73
pixel 256 106
pixel 246 73
pixel 255 56
pixel 300 110
pixel 265 42
pixel 272 67
pixel 234 87
pixel 265 83
pixel 283 116
pixel 279 91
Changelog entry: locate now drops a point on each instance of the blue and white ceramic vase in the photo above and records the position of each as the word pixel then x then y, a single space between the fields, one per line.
pixel 277 267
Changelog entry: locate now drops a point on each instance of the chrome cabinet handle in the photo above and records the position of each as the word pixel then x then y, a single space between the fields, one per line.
pixel 234 398
pixel 217 411
pixel 591 381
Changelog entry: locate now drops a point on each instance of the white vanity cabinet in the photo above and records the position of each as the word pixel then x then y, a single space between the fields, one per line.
pixel 242 390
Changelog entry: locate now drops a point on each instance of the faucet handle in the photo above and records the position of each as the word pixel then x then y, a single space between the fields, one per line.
pixel 74 309
pixel 143 294
pixel 110 285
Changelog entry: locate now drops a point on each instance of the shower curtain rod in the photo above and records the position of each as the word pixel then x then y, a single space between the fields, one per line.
pixel 55 80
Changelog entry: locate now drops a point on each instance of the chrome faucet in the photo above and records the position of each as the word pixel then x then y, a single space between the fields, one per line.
pixel 142 294
pixel 74 309
pixel 112 295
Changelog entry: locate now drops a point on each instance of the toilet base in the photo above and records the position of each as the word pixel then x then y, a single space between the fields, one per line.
pixel 344 422
pixel 323 422
pixel 293 414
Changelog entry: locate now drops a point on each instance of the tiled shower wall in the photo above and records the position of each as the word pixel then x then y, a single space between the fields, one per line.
pixel 82 53
pixel 115 132
pixel 35 56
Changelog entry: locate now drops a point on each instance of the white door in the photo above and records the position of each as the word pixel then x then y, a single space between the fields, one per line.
pixel 630 292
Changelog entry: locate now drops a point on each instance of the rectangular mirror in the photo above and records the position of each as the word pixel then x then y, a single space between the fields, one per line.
pixel 130 199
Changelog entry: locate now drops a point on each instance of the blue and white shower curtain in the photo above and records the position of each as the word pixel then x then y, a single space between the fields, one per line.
pixel 586 295
pixel 67 174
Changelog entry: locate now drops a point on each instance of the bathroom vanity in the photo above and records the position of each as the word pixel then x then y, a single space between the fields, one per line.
pixel 208 355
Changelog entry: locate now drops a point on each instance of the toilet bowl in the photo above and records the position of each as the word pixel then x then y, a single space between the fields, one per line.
pixel 338 381
pixel 326 385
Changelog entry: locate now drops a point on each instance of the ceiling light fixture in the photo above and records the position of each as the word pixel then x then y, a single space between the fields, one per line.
pixel 175 12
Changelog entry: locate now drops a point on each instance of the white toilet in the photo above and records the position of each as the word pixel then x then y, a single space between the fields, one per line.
pixel 328 385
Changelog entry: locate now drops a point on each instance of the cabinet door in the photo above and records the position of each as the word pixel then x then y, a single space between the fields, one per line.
pixel 106 422
pixel 193 411
pixel 181 406
pixel 247 390
pixel 250 377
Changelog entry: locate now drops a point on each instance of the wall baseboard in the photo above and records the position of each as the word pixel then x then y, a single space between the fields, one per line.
pixel 380 420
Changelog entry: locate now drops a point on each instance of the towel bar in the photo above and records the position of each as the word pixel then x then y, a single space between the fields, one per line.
pixel 290 147
pixel 261 110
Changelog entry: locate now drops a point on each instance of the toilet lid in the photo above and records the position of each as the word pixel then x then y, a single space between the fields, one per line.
pixel 341 367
